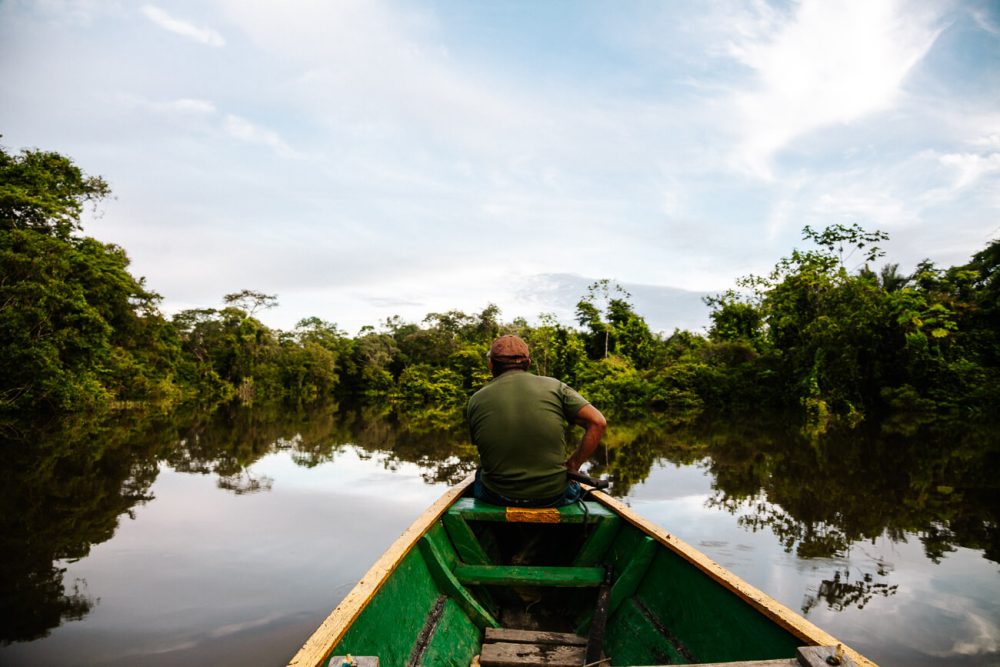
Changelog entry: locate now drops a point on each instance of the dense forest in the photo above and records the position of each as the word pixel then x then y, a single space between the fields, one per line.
pixel 830 333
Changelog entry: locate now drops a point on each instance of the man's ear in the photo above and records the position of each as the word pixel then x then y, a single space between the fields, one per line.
pixel 489 363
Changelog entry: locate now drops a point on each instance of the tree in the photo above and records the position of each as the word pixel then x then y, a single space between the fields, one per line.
pixel 591 311
pixel 251 301
pixel 45 192
pixel 76 328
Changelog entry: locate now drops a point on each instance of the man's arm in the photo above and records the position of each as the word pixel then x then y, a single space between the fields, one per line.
pixel 591 419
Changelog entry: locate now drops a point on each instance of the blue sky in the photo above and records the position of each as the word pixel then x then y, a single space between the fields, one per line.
pixel 365 159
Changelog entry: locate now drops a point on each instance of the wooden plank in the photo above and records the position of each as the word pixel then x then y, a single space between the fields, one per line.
pixel 781 662
pixel 533 637
pixel 529 575
pixel 765 604
pixel 319 646
pixel 819 656
pixel 355 661
pixel 533 515
pixel 448 583
pixel 505 654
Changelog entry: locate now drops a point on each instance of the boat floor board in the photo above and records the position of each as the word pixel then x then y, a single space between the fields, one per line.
pixel 533 637
pixel 783 662
pixel 510 654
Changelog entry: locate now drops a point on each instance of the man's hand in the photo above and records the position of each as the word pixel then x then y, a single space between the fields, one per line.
pixel 594 423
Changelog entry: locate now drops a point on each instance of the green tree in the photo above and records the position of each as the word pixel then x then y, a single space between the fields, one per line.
pixel 45 192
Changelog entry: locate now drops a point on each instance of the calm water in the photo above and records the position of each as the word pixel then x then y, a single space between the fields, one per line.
pixel 225 539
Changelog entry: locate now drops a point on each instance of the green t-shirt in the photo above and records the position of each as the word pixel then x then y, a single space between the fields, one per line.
pixel 517 423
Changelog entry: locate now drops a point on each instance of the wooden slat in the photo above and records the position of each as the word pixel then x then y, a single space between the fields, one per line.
pixel 319 646
pixel 505 654
pixel 533 637
pixel 817 656
pixel 781 662
pixel 765 604
pixel 529 575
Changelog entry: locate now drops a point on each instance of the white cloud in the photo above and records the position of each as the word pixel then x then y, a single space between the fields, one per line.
pixel 832 62
pixel 181 106
pixel 244 130
pixel 970 167
pixel 161 18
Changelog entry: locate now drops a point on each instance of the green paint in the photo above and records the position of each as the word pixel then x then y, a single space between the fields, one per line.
pixel 625 586
pixel 436 557
pixel 455 640
pixel 529 575
pixel 626 583
pixel 714 623
pixel 469 551
pixel 653 648
pixel 663 609
pixel 388 627
pixel 466 544
pixel 593 550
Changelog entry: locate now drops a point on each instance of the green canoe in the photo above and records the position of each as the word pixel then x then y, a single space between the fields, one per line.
pixel 592 583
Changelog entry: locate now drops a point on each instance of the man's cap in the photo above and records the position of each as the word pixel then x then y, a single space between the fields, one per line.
pixel 509 348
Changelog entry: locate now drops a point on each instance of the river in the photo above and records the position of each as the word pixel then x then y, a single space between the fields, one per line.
pixel 225 538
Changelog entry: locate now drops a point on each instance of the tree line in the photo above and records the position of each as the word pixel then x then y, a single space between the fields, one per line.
pixel 828 332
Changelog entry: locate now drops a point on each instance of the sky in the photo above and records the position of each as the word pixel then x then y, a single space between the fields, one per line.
pixel 364 159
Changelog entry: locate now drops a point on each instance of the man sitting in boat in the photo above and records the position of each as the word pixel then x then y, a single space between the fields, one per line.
pixel 517 423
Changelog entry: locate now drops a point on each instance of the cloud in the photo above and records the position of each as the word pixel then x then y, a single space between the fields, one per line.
pixel 970 167
pixel 180 106
pixel 206 36
pixel 832 62
pixel 244 130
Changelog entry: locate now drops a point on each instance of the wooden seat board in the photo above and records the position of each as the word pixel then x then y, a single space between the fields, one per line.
pixel 477 510
pixel 509 654
pixel 533 637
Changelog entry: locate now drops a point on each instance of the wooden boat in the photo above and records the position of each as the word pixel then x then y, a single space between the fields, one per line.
pixel 591 583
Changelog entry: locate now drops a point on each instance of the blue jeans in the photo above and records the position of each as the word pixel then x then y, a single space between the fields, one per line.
pixel 572 494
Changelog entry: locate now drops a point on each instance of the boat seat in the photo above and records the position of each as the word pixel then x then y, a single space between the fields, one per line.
pixel 476 568
pixel 471 509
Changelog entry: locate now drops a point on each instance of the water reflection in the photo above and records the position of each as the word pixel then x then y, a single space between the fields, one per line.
pixel 69 485
pixel 65 488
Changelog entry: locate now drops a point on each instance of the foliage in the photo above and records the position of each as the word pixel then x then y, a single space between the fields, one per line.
pixel 835 340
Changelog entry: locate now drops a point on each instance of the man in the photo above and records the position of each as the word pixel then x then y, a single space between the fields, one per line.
pixel 517 424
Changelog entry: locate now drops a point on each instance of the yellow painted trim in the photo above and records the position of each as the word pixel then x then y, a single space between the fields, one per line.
pixel 319 646
pixel 765 604
pixel 533 515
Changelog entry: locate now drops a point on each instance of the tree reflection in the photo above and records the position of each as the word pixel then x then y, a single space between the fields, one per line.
pixel 65 488
pixel 68 484
pixel 840 593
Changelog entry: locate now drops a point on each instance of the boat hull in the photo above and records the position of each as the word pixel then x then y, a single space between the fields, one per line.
pixel 465 567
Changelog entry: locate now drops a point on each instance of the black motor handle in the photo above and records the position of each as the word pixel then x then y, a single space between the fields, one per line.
pixel 599 484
